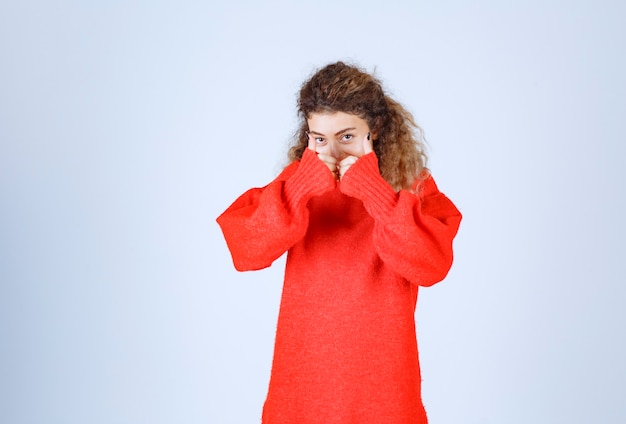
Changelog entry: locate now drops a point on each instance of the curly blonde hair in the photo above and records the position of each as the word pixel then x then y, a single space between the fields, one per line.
pixel 398 143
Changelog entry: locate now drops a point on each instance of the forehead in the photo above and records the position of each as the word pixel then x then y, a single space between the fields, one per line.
pixel 334 121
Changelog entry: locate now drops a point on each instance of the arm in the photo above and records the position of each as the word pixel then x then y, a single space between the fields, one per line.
pixel 413 233
pixel 265 222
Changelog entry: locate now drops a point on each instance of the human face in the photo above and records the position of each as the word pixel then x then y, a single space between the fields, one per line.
pixel 338 134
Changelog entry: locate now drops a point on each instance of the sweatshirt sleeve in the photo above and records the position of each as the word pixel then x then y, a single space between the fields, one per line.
pixel 413 233
pixel 264 223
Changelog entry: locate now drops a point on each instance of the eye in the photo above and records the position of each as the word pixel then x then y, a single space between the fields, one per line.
pixel 318 140
pixel 347 138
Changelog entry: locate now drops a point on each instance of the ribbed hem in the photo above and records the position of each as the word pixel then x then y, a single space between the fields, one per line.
pixel 364 182
pixel 312 178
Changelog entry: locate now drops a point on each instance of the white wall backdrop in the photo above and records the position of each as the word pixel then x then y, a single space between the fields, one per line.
pixel 127 127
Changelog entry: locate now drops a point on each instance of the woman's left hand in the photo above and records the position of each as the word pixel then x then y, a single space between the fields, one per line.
pixel 348 161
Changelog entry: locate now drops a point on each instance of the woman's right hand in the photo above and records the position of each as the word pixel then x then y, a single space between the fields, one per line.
pixel 329 160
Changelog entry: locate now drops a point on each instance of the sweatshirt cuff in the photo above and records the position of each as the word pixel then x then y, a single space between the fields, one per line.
pixel 364 182
pixel 312 178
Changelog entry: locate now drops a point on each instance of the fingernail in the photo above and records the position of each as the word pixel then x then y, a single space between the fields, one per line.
pixel 368 136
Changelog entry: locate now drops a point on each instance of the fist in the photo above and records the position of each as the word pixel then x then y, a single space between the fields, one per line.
pixel 345 164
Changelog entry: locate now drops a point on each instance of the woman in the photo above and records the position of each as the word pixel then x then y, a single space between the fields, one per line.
pixel 364 226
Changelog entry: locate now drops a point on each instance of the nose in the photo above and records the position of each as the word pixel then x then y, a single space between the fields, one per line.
pixel 336 151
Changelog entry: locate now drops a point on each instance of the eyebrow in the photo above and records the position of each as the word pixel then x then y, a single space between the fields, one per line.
pixel 337 133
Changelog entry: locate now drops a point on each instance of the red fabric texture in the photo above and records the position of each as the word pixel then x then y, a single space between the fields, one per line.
pixel 346 348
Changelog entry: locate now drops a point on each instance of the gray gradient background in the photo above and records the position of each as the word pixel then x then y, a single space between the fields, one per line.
pixel 127 127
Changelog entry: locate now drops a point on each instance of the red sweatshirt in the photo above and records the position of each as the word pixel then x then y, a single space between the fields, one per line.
pixel 346 349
